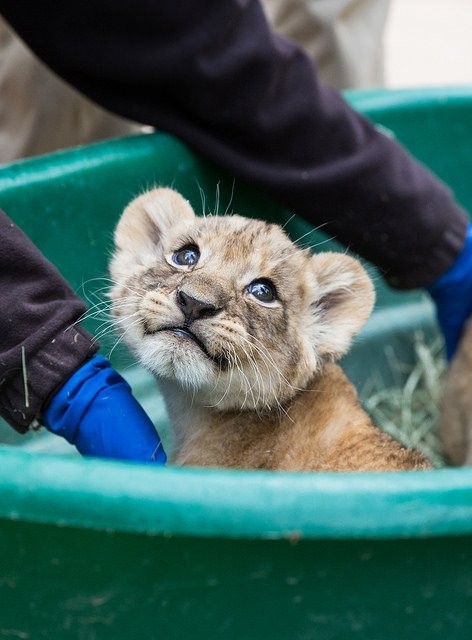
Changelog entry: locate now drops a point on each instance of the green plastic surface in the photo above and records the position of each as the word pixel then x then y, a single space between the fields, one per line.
pixel 92 549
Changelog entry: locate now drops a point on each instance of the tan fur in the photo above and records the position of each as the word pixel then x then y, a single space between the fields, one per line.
pixel 256 386
pixel 455 421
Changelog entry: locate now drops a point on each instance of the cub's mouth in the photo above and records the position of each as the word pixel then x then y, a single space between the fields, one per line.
pixel 184 332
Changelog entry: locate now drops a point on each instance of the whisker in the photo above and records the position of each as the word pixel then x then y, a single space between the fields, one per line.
pixel 318 244
pixel 263 352
pixel 202 198
pixel 122 337
pixel 288 221
pixel 217 199
pixel 320 226
pixel 230 198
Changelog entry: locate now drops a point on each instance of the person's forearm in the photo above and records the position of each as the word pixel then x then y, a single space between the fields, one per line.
pixel 213 74
pixel 40 343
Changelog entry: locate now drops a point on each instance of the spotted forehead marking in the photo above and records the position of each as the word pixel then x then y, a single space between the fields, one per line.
pixel 237 239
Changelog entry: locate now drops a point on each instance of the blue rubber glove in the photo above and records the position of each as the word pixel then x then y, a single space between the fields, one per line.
pixel 96 411
pixel 452 293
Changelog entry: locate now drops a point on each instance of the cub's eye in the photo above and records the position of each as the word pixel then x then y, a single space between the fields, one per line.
pixel 186 256
pixel 263 290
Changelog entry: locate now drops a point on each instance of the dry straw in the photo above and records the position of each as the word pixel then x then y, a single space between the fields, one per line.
pixel 408 412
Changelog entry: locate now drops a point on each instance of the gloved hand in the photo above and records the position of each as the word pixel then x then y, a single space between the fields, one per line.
pixel 452 293
pixel 96 411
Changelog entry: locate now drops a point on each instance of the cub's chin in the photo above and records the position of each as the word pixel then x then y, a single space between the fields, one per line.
pixel 176 354
pixel 178 359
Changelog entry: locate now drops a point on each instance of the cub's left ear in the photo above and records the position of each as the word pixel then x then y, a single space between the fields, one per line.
pixel 148 218
pixel 343 297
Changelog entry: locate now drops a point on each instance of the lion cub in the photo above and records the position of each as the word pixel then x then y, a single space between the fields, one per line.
pixel 455 416
pixel 241 328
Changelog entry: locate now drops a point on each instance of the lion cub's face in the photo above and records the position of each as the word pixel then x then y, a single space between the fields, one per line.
pixel 227 307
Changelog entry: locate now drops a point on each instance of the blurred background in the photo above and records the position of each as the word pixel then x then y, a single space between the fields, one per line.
pixel 428 43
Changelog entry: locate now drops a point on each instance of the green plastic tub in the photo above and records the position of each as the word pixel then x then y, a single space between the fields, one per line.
pixel 91 549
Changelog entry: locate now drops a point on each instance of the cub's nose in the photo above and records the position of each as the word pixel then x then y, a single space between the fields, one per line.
pixel 193 308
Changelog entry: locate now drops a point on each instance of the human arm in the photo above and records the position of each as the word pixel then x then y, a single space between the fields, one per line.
pixel 41 344
pixel 452 294
pixel 48 369
pixel 213 74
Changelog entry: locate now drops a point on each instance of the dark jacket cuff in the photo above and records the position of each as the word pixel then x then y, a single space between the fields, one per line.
pixel 40 375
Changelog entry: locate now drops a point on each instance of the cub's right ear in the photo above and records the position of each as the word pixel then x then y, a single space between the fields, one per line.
pixel 343 300
pixel 149 217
